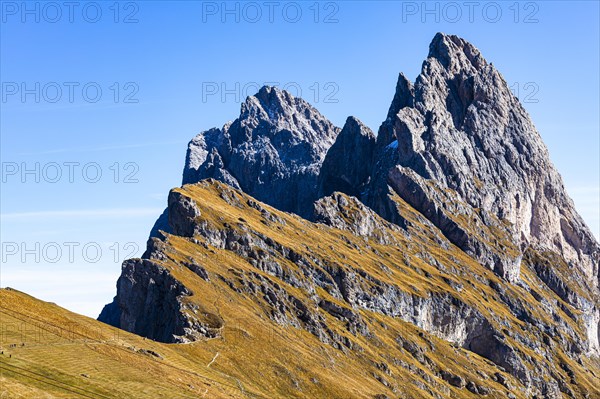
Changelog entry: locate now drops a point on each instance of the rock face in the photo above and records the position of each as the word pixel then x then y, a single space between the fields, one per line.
pixel 273 151
pixel 404 226
pixel 491 245
pixel 348 213
pixel 145 288
pixel 463 128
pixel 347 165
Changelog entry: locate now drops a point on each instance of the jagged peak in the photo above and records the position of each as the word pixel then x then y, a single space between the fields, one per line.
pixel 455 53
pixel 403 97
pixel 287 121
pixel 273 95
pixel 274 102
pixel 353 125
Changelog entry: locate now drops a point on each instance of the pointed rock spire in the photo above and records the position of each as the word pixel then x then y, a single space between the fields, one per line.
pixel 466 132
pixel 403 97
pixel 455 54
pixel 348 162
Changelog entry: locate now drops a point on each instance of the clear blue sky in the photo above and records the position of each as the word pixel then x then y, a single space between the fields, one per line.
pixel 168 60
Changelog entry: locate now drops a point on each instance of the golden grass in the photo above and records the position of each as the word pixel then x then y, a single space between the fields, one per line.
pixel 256 357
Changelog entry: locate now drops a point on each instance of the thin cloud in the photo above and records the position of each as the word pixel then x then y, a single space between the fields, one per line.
pixel 98 149
pixel 85 213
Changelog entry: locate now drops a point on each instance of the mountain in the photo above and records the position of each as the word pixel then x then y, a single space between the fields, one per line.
pixel 451 219
pixel 275 147
pixel 440 258
pixel 353 287
pixel 460 128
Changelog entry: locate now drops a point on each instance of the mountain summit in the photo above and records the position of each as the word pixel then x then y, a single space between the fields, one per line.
pixel 440 258
pixel 274 148
pixel 467 132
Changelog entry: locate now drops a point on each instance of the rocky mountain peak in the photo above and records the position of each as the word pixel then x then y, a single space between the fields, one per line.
pixel 272 100
pixel 467 132
pixel 403 97
pixel 455 54
pixel 269 103
pixel 275 147
pixel 290 123
pixel 458 127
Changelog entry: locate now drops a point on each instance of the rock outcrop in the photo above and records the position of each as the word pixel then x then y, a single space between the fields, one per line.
pixel 148 302
pixel 348 213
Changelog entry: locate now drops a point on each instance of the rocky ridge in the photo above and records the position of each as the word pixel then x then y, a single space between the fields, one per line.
pixel 457 179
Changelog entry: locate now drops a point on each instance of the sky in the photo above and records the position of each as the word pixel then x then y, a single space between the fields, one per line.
pixel 99 100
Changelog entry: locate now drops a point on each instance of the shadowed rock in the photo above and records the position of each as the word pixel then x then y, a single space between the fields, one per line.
pixel 347 165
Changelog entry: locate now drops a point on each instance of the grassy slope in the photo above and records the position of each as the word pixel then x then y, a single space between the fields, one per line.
pixel 256 357
pixel 51 352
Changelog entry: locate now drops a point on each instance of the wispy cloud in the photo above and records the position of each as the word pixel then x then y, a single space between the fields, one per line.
pixel 105 148
pixel 85 213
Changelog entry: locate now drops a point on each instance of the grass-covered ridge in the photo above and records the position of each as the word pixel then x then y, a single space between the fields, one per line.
pixel 256 355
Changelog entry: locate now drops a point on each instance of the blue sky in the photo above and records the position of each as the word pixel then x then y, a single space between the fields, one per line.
pixel 99 102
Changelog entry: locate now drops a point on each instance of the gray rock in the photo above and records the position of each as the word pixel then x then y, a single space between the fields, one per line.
pixel 347 165
pixel 273 151
pixel 182 213
pixel 477 389
pixel 148 303
pixel 162 223
pixel 463 128
pixel 453 379
pixel 348 213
